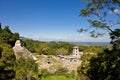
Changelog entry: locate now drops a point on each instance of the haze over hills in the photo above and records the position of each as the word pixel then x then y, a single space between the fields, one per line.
pixel 92 43
pixel 80 43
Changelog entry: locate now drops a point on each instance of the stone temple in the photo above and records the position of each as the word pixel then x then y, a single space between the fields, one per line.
pixel 20 51
pixel 76 53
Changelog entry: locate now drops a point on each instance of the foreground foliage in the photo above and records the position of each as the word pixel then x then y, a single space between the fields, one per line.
pixel 8 37
pixel 10 68
pixel 60 74
pixel 57 78
pixel 7 60
pixel 105 65
pixel 26 69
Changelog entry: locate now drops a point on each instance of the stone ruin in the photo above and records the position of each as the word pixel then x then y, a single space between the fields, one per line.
pixel 71 62
pixel 76 53
pixel 74 57
pixel 20 51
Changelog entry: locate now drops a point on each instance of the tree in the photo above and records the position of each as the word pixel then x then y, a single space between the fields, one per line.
pixel 62 51
pixel 0 28
pixel 103 66
pixel 67 46
pixel 98 12
pixel 6 36
pixel 25 69
pixel 115 42
pixel 7 60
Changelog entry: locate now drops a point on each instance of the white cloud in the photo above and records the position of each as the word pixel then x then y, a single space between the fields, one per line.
pixel 115 11
pixel 87 38
pixel 30 35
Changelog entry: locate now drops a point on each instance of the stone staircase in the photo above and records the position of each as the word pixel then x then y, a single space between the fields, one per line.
pixel 20 51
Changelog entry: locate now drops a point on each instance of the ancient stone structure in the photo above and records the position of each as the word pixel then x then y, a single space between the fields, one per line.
pixel 75 56
pixel 20 51
pixel 71 62
pixel 76 53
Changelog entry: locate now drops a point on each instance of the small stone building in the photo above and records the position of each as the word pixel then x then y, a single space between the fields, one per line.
pixel 76 53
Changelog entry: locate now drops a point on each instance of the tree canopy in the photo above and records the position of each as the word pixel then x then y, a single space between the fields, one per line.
pixel 48 48
pixel 6 36
pixel 98 12
pixel 10 68
pixel 7 60
pixel 26 69
pixel 103 66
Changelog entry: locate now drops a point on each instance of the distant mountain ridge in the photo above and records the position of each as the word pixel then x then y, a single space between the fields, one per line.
pixel 77 43
pixel 92 43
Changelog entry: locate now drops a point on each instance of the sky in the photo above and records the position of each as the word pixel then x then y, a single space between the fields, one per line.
pixel 46 20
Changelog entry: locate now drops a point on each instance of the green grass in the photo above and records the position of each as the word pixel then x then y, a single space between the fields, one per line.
pixel 55 66
pixel 39 57
pixel 57 78
pixel 54 61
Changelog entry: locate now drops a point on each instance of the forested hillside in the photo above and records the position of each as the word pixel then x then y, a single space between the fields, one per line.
pixel 48 48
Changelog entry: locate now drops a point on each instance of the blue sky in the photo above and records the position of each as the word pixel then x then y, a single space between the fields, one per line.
pixel 46 20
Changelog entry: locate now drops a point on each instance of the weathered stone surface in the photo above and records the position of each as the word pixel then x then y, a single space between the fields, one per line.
pixel 70 62
pixel 20 51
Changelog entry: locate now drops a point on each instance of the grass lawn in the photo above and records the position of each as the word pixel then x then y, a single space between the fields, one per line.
pixel 57 78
